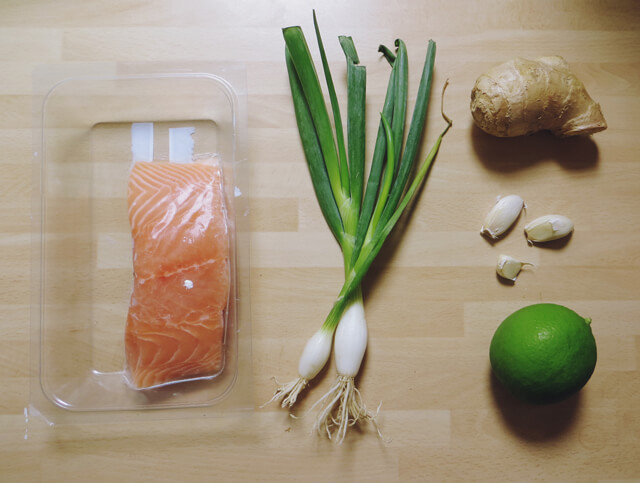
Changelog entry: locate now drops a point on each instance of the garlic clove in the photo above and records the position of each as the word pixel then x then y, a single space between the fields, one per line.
pixel 548 228
pixel 503 214
pixel 509 267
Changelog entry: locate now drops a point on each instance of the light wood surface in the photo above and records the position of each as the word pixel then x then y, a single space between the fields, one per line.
pixel 432 300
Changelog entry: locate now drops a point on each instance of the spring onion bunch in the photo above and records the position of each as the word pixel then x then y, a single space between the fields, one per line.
pixel 360 215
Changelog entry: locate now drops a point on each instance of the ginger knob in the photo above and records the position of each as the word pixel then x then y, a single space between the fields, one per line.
pixel 523 96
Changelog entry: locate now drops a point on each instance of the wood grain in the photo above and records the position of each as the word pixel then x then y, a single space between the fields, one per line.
pixel 432 299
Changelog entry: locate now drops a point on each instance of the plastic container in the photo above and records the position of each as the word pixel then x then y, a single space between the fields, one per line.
pixel 91 122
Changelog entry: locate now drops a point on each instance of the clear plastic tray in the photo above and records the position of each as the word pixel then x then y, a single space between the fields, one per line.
pixel 84 121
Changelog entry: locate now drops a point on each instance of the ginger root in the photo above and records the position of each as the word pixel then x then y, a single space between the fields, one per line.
pixel 524 96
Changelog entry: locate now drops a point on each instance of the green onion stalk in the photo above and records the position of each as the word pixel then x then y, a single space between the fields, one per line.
pixel 360 216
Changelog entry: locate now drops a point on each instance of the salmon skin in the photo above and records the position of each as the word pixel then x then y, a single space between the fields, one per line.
pixel 177 313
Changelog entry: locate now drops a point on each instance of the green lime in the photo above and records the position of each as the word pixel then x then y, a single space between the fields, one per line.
pixel 543 353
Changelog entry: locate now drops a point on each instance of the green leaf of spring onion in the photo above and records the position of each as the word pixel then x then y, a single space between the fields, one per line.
pixel 356 111
pixel 313 154
pixel 375 172
pixel 335 107
pixel 401 80
pixel 389 172
pixel 349 48
pixel 415 134
pixel 305 69
pixel 386 52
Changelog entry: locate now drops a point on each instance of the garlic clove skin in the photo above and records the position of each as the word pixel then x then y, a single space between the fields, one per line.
pixel 548 228
pixel 503 214
pixel 509 267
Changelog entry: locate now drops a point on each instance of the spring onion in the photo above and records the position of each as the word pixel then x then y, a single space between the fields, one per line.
pixel 360 216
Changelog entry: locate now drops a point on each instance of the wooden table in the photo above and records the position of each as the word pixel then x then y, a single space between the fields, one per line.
pixel 432 301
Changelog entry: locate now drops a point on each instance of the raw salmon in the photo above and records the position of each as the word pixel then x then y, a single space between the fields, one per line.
pixel 176 319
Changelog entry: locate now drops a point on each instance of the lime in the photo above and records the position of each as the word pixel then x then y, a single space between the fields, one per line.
pixel 543 353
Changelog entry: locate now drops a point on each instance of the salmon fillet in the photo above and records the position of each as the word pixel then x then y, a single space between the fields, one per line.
pixel 176 319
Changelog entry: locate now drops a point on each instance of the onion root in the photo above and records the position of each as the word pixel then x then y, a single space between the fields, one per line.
pixel 342 407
